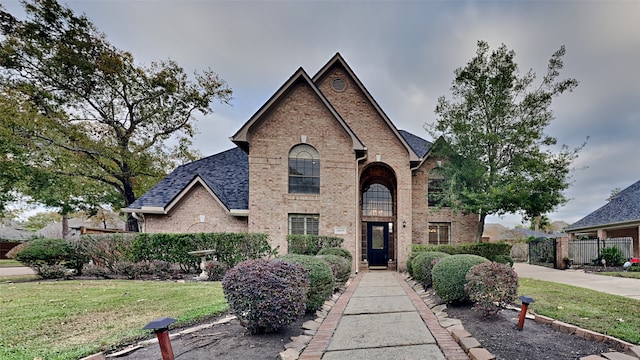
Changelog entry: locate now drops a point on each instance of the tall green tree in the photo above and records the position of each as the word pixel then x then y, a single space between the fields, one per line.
pixel 105 118
pixel 500 158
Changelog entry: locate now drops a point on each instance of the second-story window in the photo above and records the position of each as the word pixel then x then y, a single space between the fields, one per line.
pixel 304 170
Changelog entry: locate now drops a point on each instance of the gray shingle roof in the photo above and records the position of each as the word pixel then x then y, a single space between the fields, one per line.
pixel 226 173
pixel 419 145
pixel 624 207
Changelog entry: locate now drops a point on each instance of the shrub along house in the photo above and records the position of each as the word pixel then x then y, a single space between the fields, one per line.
pixel 319 157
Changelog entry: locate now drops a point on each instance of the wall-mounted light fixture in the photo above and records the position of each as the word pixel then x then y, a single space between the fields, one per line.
pixel 404 224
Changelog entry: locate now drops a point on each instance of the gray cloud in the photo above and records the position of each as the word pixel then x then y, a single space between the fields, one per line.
pixel 405 54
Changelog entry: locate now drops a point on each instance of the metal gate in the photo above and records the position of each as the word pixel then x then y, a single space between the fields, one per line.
pixel 542 251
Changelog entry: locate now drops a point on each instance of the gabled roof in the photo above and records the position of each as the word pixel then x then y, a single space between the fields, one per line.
pixel 241 139
pixel 419 145
pixel 226 175
pixel 623 208
pixel 338 59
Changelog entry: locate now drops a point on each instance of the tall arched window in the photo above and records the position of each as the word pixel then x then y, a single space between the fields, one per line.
pixel 377 201
pixel 304 170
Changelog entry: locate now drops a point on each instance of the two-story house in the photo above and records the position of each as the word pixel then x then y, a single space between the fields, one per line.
pixel 319 157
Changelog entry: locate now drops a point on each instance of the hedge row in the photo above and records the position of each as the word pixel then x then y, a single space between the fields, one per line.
pixel 311 244
pixel 229 248
pixel 498 252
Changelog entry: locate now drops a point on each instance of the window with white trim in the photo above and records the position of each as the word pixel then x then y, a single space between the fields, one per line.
pixel 439 233
pixel 304 224
pixel 304 170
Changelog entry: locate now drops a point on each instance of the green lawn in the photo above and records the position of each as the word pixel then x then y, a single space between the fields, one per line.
pixel 71 319
pixel 624 274
pixel 9 263
pixel 607 314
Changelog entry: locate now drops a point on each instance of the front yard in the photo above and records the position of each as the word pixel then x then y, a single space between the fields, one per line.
pixel 71 319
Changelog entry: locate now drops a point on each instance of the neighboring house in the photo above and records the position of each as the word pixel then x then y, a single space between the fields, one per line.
pixel 319 157
pixel 620 217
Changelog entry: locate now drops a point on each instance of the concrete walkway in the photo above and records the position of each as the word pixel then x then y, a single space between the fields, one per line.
pixel 612 285
pixel 379 316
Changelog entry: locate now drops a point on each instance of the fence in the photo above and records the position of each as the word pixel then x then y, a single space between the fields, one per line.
pixel 542 251
pixel 585 251
pixel 5 246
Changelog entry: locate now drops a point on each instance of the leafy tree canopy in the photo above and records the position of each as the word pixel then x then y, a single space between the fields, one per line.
pixel 500 159
pixel 100 120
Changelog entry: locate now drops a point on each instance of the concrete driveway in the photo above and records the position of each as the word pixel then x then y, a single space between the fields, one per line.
pixel 612 285
pixel 11 271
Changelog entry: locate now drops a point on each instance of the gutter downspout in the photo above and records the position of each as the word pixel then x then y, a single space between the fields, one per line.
pixel 357 212
pixel 140 219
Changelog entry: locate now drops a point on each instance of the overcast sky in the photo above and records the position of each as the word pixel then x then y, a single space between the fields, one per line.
pixel 405 53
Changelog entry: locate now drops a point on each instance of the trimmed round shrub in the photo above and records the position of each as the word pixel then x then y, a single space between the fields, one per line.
pixel 266 295
pixel 41 253
pixel 340 266
pixel 336 251
pixel 320 278
pixel 491 286
pixel 422 265
pixel 449 276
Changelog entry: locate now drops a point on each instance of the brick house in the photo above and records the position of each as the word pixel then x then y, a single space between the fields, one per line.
pixel 618 218
pixel 319 157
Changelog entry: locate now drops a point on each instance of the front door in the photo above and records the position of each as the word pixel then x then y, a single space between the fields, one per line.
pixel 378 243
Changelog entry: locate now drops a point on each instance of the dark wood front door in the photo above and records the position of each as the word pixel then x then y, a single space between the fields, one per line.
pixel 378 243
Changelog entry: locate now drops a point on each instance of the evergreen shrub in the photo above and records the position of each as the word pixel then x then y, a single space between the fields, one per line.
pixel 47 257
pixel 311 244
pixel 491 286
pixel 320 277
pixel 487 250
pixel 422 266
pixel 336 251
pixel 449 276
pixel 612 255
pixel 266 295
pixel 340 266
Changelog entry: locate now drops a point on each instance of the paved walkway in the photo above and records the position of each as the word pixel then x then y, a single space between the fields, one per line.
pixel 608 284
pixel 379 316
pixel 18 270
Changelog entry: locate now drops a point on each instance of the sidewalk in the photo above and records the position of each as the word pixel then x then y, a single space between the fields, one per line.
pixel 379 316
pixel 612 285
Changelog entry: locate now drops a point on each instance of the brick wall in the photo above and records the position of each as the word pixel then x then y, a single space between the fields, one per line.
pixel 300 113
pixel 381 141
pixel 185 216
pixel 463 227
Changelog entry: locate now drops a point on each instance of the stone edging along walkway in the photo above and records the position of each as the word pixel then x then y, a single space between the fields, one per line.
pixel 473 347
pixel 443 328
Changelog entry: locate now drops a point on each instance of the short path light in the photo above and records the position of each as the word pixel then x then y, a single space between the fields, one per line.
pixel 523 310
pixel 161 328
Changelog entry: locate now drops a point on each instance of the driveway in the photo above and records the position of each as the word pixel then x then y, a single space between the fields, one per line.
pixel 10 271
pixel 612 285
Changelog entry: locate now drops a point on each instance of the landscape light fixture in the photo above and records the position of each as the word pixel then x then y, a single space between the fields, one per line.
pixel 523 310
pixel 161 328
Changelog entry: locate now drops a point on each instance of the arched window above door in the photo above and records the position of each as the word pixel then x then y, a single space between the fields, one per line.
pixel 304 170
pixel 377 201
